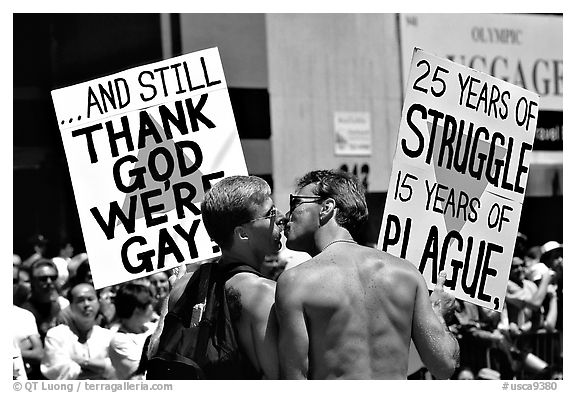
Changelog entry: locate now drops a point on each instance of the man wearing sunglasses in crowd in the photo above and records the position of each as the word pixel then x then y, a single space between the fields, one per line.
pixel 241 218
pixel 45 304
pixel 45 301
pixel 351 311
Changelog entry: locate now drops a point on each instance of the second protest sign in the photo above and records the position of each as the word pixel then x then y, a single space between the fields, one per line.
pixel 459 177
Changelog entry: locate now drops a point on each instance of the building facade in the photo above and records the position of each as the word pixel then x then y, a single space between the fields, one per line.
pixel 309 91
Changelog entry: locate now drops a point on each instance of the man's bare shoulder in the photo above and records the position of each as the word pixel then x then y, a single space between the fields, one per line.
pixel 252 291
pixel 247 283
pixel 385 269
pixel 391 262
pixel 323 265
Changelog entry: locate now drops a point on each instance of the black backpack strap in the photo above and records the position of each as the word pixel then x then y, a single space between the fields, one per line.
pixel 230 270
pixel 214 297
pixel 195 292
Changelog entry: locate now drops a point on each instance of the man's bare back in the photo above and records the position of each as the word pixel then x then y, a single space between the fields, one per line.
pixel 358 327
pixel 358 305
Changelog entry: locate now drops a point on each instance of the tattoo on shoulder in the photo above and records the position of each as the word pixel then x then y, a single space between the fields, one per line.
pixel 234 304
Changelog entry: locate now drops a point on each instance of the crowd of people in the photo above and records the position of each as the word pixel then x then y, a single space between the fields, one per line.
pixel 525 340
pixel 66 329
pixel 343 315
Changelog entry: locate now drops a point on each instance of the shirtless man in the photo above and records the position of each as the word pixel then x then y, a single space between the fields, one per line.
pixel 351 311
pixel 241 218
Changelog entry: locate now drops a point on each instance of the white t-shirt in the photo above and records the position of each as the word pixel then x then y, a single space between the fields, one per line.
pixel 23 324
pixel 61 344
pixel 126 350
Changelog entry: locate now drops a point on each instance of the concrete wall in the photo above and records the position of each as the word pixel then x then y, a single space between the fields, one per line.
pixel 241 39
pixel 322 63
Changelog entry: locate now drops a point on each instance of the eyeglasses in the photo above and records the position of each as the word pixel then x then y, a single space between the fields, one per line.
pixel 45 278
pixel 297 200
pixel 272 213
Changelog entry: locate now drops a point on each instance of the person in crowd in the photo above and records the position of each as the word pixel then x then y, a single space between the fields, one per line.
pixel 520 245
pixel 24 278
pixel 240 216
pixel 84 273
pixel 524 298
pixel 522 314
pixel 20 285
pixel 19 294
pixel 106 311
pixel 25 335
pixel 134 309
pixel 45 303
pixel 73 264
pixel 549 317
pixel 39 245
pixel 15 271
pixel 481 342
pixel 107 314
pixel 79 350
pixel 66 250
pixel 551 311
pixel 351 311
pixel 151 343
pixel 16 260
pixel 499 340
pixel 161 285
pixel 534 268
pixel 552 257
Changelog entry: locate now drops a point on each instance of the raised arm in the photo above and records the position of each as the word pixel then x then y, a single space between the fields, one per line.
pixel 535 302
pixel 552 314
pixel 520 299
pixel 293 336
pixel 178 280
pixel 436 345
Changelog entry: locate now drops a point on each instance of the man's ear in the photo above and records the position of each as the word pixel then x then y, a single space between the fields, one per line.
pixel 240 232
pixel 327 209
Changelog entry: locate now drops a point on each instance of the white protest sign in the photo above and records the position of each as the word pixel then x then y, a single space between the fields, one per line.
pixel 459 176
pixel 143 146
